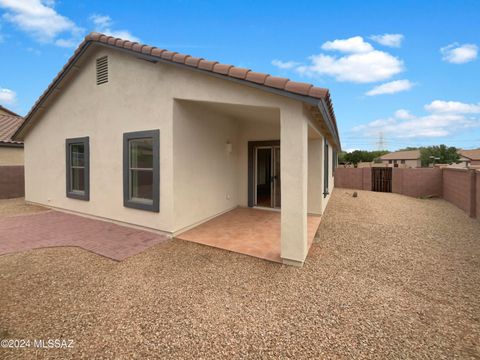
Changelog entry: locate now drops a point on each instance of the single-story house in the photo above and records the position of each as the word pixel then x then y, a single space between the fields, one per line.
pixel 470 157
pixel 11 156
pixel 405 159
pixel 11 152
pixel 161 140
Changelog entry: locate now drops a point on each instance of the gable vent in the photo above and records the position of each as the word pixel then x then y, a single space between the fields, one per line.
pixel 102 70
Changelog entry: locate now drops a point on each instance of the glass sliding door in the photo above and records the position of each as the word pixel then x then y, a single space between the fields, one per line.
pixel 267 176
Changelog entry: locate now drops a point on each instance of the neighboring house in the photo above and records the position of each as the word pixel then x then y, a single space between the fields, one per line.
pixel 471 158
pixel 405 159
pixel 11 152
pixel 11 156
pixel 166 141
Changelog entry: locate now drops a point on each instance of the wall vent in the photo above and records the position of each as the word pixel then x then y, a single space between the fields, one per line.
pixel 102 70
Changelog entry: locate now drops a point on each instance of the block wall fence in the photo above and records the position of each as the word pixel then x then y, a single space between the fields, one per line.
pixel 461 187
pixel 12 182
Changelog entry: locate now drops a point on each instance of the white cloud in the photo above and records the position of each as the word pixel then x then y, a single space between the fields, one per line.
pixel 354 44
pixel 101 21
pixel 104 23
pixel 360 68
pixel 392 40
pixel 361 63
pixel 440 106
pixel 459 54
pixel 40 20
pixel 7 96
pixel 403 114
pixel 403 125
pixel 391 87
pixel 284 65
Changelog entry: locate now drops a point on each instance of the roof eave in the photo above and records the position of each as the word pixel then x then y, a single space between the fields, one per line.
pixel 318 102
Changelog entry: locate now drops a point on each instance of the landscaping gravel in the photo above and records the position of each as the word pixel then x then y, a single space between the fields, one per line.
pixel 17 206
pixel 388 277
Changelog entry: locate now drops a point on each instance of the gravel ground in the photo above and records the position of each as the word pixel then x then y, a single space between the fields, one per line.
pixel 388 277
pixel 17 206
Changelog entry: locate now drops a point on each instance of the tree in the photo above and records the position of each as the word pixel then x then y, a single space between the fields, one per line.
pixel 438 154
pixel 357 156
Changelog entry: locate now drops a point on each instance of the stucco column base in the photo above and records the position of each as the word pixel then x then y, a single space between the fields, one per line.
pixel 295 263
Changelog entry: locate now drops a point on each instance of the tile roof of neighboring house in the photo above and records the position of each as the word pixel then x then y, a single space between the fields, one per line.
pixel 470 154
pixel 302 91
pixel 8 125
pixel 402 155
pixel 8 111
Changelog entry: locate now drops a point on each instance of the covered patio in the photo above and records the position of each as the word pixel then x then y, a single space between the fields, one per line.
pixel 249 179
pixel 254 232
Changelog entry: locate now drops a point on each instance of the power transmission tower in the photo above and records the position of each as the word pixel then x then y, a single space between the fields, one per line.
pixel 381 143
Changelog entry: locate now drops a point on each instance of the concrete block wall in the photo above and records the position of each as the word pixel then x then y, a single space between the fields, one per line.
pixel 12 182
pixel 459 187
pixel 477 191
pixel 417 182
pixel 353 178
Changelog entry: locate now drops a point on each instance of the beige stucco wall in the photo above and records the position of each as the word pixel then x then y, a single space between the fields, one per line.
pixel 205 173
pixel 141 96
pixel 408 163
pixel 11 156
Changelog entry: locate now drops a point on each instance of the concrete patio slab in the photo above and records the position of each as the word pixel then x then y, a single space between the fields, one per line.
pixel 53 228
pixel 246 231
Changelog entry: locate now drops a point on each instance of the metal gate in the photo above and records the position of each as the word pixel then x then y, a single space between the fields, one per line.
pixel 382 179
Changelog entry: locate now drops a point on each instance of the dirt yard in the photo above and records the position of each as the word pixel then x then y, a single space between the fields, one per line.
pixel 389 277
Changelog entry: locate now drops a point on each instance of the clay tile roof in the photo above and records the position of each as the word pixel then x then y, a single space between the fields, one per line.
pixel 119 42
pixel 8 125
pixel 5 111
pixel 239 73
pixel 317 92
pixel 147 49
pixel 180 58
pixel 128 44
pixel 207 65
pixel 307 91
pixel 222 68
pixel 256 77
pixel 137 47
pixel 470 154
pixel 298 87
pixel 168 55
pixel 276 82
pixel 193 61
pixel 156 52
pixel 402 155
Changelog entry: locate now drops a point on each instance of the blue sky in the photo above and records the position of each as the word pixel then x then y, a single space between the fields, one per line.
pixel 418 85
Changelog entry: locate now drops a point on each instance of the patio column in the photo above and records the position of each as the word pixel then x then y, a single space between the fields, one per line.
pixel 294 176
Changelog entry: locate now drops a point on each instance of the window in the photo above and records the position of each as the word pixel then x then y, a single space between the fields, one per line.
pixel 403 161
pixel 325 169
pixel 389 161
pixel 78 168
pixel 141 170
